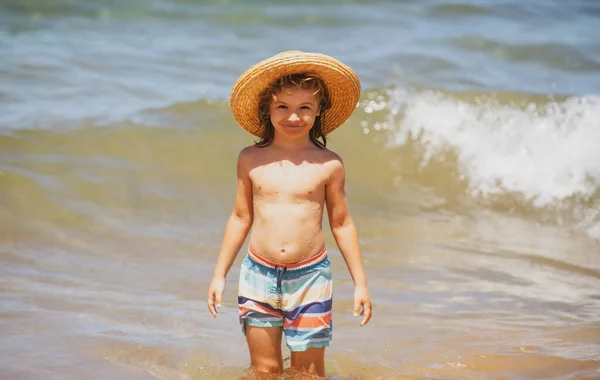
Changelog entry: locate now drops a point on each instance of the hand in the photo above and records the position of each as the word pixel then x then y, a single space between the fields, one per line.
pixel 362 299
pixel 215 294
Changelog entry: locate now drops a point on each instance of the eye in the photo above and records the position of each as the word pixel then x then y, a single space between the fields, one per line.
pixel 281 106
pixel 305 108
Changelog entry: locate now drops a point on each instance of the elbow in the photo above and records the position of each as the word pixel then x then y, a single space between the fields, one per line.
pixel 243 218
pixel 339 224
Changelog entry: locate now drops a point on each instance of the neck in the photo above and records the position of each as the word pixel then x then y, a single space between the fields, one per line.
pixel 290 144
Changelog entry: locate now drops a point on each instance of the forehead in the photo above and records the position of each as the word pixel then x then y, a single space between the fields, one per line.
pixel 295 93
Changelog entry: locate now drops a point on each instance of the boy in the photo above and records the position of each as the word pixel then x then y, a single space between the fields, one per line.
pixel 291 102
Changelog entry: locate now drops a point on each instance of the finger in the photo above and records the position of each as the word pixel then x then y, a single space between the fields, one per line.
pixel 367 315
pixel 356 308
pixel 212 309
pixel 211 306
pixel 218 299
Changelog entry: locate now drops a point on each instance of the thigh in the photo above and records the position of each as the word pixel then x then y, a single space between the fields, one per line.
pixel 264 344
pixel 307 308
pixel 311 361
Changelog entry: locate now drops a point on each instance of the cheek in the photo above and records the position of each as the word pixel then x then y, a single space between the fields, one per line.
pixel 308 118
pixel 272 115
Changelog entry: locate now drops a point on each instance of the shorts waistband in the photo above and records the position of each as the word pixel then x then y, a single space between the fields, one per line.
pixel 255 256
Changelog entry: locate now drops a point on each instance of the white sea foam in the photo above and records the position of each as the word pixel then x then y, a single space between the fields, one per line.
pixel 547 153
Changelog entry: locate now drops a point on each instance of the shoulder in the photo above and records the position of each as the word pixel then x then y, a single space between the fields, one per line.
pixel 331 159
pixel 246 156
pixel 332 162
pixel 249 153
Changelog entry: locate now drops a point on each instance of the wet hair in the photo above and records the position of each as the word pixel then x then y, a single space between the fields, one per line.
pixel 301 81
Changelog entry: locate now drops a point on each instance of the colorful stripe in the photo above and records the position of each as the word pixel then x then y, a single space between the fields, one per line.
pixel 296 296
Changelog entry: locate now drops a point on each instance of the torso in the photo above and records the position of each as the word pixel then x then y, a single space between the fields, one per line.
pixel 288 200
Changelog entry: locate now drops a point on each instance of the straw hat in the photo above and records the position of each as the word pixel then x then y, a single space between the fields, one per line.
pixel 342 83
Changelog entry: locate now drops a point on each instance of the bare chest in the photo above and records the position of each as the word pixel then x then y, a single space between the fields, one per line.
pixel 284 180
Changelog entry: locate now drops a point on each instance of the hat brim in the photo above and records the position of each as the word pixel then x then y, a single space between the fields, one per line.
pixel 342 84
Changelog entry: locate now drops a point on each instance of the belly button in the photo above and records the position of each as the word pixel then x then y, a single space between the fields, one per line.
pixel 282 250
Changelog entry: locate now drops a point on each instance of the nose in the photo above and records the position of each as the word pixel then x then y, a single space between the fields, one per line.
pixel 294 117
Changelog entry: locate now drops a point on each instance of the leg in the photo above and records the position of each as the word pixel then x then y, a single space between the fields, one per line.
pixel 264 344
pixel 311 361
pixel 307 346
pixel 307 311
pixel 261 322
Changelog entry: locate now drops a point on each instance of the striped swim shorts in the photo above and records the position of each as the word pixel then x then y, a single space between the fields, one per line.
pixel 295 296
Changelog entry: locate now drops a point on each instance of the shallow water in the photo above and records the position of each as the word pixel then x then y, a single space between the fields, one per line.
pixel 473 178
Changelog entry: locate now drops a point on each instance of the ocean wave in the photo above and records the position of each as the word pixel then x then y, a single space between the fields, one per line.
pixel 527 155
pixel 536 157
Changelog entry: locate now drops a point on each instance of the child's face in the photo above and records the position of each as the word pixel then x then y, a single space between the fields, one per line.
pixel 293 111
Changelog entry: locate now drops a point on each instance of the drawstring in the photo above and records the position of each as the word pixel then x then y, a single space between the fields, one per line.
pixel 280 272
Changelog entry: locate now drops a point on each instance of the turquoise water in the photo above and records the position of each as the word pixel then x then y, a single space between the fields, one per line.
pixel 68 60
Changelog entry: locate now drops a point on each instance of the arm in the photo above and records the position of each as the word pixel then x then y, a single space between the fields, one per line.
pixel 236 230
pixel 346 237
